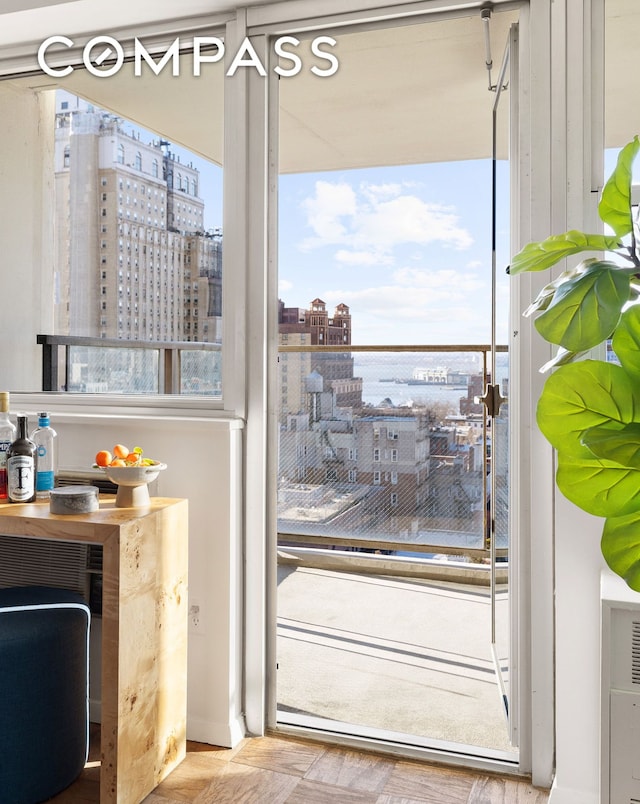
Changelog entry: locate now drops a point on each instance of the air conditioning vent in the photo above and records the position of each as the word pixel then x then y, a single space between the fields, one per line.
pixel 94 559
pixel 635 652
pixel 31 562
pixel 620 679
pixel 77 477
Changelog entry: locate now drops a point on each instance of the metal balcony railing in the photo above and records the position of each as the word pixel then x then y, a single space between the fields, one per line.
pixel 78 364
pixel 358 475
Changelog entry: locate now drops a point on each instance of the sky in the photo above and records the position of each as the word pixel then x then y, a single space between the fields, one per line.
pixel 408 248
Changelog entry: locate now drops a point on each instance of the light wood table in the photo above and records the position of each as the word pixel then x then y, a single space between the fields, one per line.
pixel 144 632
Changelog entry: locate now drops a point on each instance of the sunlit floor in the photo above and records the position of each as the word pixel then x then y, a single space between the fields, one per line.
pixel 399 655
pixel 281 770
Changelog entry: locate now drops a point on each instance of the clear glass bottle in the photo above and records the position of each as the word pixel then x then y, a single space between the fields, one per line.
pixel 44 437
pixel 7 437
pixel 21 465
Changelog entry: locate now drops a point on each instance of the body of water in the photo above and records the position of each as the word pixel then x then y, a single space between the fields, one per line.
pixel 374 391
pixel 379 376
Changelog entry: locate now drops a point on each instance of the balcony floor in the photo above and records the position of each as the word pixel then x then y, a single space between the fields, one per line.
pixel 401 655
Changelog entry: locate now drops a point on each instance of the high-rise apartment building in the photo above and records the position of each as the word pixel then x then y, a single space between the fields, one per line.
pixel 133 259
pixel 314 327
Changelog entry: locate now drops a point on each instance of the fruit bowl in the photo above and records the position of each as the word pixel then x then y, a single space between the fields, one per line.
pixel 133 482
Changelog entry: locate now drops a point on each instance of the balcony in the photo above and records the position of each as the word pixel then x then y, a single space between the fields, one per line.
pixel 393 597
pixel 403 658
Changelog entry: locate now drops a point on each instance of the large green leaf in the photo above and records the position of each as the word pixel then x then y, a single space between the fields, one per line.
pixel 615 203
pixel 545 297
pixel 579 396
pixel 544 254
pixel 603 488
pixel 626 340
pixel 620 547
pixel 586 309
pixel 561 358
pixel 619 445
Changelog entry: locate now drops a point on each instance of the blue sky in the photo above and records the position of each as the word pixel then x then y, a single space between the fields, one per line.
pixel 408 248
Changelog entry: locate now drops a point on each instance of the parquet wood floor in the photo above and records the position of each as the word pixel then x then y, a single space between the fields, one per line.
pixel 276 769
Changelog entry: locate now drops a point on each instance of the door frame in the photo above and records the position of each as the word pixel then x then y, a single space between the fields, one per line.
pixel 260 604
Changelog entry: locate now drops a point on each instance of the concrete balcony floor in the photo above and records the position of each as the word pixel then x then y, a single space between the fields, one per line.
pixel 403 655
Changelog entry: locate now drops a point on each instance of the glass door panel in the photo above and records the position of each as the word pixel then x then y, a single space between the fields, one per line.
pixel 385 583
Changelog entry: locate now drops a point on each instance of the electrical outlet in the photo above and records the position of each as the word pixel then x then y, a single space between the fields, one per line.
pixel 195 617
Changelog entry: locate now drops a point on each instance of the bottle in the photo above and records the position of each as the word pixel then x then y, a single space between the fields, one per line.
pixel 7 436
pixel 44 437
pixel 21 465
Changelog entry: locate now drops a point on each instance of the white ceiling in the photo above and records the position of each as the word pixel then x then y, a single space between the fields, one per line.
pixel 414 93
pixel 26 21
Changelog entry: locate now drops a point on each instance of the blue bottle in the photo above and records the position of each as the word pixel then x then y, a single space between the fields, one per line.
pixel 44 437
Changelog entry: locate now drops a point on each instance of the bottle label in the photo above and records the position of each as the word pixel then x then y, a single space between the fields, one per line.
pixel 44 480
pixel 20 479
pixel 4 446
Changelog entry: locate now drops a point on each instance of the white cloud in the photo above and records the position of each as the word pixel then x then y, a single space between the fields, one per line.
pixel 442 306
pixel 408 219
pixel 362 257
pixel 374 192
pixel 375 220
pixel 284 285
pixel 331 202
pixel 455 282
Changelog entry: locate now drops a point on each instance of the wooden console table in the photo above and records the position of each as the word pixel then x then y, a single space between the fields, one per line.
pixel 144 633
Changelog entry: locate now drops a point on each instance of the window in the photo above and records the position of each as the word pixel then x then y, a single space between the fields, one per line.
pixel 376 454
pixel 376 478
pixel 119 147
pixel 394 478
pixel 353 475
pixel 394 456
pixel 393 499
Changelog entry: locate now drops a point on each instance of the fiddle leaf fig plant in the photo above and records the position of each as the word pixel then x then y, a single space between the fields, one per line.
pixel 589 410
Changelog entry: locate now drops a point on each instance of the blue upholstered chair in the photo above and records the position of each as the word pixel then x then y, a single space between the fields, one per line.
pixel 44 723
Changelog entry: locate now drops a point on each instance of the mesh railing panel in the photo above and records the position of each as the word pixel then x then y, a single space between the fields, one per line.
pixel 388 457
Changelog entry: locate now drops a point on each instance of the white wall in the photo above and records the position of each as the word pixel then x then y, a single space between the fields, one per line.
pixel 26 269
pixel 578 564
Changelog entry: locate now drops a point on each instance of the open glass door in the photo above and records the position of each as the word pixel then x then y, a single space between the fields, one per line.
pixel 496 395
pixel 389 577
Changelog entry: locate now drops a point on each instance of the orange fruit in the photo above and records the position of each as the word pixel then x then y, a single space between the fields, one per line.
pixel 133 458
pixel 117 462
pixel 120 451
pixel 103 458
